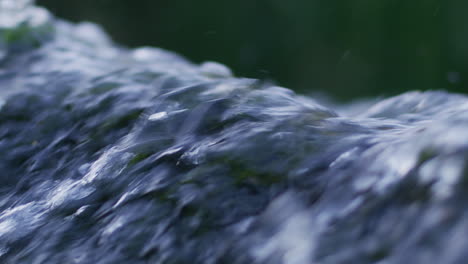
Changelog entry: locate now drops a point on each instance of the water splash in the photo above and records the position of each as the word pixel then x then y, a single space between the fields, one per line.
pixel 22 24
pixel 14 12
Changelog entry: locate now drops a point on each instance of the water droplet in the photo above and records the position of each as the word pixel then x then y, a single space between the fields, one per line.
pixel 453 77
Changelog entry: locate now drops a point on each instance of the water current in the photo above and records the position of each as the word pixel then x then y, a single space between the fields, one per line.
pixel 114 155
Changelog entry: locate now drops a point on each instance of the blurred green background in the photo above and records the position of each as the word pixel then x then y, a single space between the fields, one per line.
pixel 346 49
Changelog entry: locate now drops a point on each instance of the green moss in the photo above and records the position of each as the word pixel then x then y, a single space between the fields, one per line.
pixel 104 87
pixel 138 158
pixel 379 254
pixel 121 121
pixel 23 36
pixel 14 35
pixel 243 173
pixel 426 154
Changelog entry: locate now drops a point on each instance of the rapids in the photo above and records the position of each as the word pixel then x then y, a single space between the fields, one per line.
pixel 111 155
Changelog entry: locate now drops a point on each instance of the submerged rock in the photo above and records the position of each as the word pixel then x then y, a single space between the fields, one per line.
pixel 110 155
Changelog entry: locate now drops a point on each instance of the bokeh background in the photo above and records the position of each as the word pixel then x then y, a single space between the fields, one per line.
pixel 345 48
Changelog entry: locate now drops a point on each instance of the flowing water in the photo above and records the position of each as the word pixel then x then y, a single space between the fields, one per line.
pixel 111 155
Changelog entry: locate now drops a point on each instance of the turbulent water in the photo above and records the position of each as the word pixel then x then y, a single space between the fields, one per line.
pixel 110 155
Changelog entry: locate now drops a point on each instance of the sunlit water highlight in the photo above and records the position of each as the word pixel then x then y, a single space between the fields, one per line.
pixel 109 155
